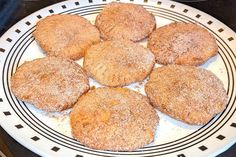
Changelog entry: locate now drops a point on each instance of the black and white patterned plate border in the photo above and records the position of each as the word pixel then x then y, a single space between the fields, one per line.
pixel 23 125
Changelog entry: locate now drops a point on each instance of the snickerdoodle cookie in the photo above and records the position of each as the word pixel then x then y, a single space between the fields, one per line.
pixel 125 20
pixel 190 94
pixel 116 119
pixel 66 36
pixel 182 43
pixel 118 62
pixel 50 83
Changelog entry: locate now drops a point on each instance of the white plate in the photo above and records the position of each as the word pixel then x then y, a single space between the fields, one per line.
pixel 48 134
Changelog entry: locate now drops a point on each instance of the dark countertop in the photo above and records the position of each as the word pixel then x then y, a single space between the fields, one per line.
pixel 224 11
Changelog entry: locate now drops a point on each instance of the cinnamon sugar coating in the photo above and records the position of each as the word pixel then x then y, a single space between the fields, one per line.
pixel 50 83
pixel 118 62
pixel 186 93
pixel 115 119
pixel 182 43
pixel 125 20
pixel 66 36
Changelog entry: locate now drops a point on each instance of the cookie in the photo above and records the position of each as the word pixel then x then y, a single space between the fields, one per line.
pixel 124 20
pixel 182 43
pixel 186 93
pixel 66 36
pixel 50 83
pixel 116 119
pixel 118 62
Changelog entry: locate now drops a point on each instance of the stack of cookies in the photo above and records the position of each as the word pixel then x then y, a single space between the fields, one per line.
pixel 113 117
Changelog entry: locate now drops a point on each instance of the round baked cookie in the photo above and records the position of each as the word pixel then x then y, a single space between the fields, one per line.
pixel 116 119
pixel 186 93
pixel 50 83
pixel 182 43
pixel 118 62
pixel 66 36
pixel 125 20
